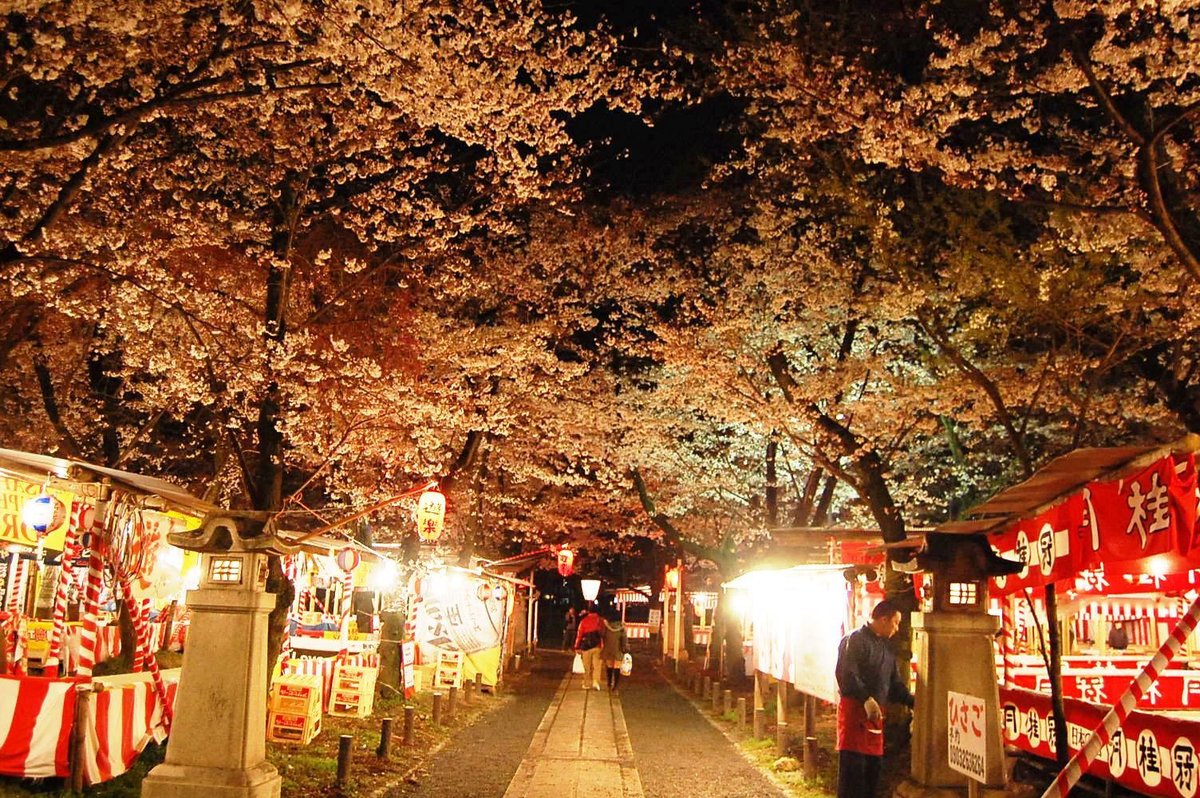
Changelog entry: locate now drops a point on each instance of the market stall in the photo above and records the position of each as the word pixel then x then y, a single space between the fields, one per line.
pixel 1115 531
pixel 78 539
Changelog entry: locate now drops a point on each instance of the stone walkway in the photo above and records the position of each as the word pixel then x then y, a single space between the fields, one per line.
pixel 580 750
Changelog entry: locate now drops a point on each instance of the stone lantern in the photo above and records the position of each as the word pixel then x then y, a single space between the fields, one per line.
pixel 953 643
pixel 217 745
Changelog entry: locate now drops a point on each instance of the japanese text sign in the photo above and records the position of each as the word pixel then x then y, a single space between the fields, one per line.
pixel 966 735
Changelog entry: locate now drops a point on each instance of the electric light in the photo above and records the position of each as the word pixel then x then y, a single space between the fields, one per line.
pixel 590 588
pixel 43 513
pixel 672 579
pixel 384 576
pixel 348 559
pixel 566 561
pixel 431 515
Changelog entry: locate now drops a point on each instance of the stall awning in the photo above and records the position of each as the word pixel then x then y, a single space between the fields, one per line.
pixel 37 467
pixel 1058 479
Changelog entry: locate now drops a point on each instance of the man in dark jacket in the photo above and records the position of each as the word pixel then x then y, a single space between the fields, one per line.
pixel 868 681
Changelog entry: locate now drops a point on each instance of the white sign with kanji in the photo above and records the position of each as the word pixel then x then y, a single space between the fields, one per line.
pixel 967 735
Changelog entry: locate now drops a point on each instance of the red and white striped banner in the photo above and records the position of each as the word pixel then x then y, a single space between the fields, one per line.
pixel 35 735
pixel 91 607
pixel 125 715
pixel 1113 721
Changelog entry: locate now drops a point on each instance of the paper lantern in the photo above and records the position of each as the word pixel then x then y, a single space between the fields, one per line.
pixel 43 513
pixel 590 588
pixel 566 561
pixel 672 579
pixel 431 515
pixel 348 559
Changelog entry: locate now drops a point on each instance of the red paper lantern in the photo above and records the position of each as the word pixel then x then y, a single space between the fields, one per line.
pixel 348 559
pixel 566 561
pixel 431 515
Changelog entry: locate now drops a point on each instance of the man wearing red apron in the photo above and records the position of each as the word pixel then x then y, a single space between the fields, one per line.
pixel 868 681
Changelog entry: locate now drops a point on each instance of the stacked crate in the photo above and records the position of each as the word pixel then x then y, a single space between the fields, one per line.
pixel 353 690
pixel 294 714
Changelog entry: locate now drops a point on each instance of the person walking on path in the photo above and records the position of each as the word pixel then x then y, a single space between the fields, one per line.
pixel 613 649
pixel 588 641
pixel 868 681
pixel 570 624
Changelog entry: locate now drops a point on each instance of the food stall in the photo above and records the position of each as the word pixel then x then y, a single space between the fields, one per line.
pixel 1115 531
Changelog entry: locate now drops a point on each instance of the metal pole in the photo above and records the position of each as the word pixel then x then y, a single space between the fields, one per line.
pixel 678 612
pixel 537 606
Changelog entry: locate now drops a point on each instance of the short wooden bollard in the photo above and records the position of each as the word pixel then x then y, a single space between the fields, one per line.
pixel 760 722
pixel 478 682
pixel 468 688
pixel 385 739
pixel 707 686
pixel 728 701
pixel 716 697
pixel 437 709
pixel 410 722
pixel 451 702
pixel 343 762
pixel 741 712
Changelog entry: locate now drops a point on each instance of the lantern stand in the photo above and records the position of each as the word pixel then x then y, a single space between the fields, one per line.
pixel 217 745
pixel 954 644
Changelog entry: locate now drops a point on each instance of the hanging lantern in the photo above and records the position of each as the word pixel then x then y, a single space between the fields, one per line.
pixel 672 579
pixel 43 513
pixel 348 559
pixel 566 561
pixel 431 515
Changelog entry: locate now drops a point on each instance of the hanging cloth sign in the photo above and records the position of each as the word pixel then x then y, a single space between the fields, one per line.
pixel 1151 513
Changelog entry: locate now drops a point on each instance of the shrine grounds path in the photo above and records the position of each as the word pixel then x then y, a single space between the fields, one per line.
pixel 555 740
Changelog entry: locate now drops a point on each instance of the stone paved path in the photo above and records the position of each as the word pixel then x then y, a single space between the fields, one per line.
pixel 555 740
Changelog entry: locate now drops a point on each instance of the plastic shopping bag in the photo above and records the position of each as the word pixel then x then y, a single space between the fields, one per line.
pixel 627 665
pixel 577 665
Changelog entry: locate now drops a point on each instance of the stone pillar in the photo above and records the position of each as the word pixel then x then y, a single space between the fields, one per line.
pixel 217 746
pixel 954 653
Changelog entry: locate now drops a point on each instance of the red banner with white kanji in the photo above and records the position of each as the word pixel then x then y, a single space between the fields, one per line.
pixel 1151 754
pixel 1145 522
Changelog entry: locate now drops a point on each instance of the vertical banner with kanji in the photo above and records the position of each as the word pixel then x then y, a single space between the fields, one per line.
pixel 408 680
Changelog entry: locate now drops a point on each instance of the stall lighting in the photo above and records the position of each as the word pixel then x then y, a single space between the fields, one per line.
pixel 1160 566
pixel 672 579
pixel 43 513
pixel 348 559
pixel 431 515
pixel 590 588
pixel 384 576
pixel 566 562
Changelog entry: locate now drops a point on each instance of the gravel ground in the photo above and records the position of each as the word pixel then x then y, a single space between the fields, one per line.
pixel 678 753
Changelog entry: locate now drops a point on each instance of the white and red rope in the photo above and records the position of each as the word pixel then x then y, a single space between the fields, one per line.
pixel 1079 764
pixel 347 594
pixel 91 606
pixel 80 512
pixel 1007 640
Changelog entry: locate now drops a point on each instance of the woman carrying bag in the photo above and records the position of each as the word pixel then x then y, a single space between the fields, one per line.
pixel 613 651
pixel 587 644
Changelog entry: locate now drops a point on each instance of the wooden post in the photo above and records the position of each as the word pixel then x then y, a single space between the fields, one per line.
pixel 728 702
pixel 741 712
pixel 760 712
pixel 468 688
pixel 716 696
pixel 437 709
pixel 451 702
pixel 478 682
pixel 810 739
pixel 698 684
pixel 385 739
pixel 79 735
pixel 410 719
pixel 781 717
pixel 343 760
pixel 707 687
